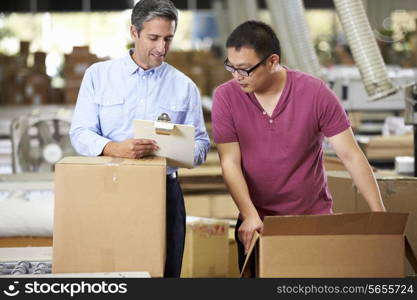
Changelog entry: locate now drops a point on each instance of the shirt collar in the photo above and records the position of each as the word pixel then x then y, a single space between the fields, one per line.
pixel 132 67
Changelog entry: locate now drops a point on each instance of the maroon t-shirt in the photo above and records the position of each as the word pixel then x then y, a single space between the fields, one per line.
pixel 282 155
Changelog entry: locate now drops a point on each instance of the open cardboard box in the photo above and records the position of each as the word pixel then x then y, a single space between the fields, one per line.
pixel 398 194
pixel 338 245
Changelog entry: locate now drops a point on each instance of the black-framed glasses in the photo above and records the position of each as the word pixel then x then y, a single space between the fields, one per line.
pixel 243 72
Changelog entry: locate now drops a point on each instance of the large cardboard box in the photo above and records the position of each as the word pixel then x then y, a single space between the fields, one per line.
pixel 206 252
pixel 109 215
pixel 339 245
pixel 397 192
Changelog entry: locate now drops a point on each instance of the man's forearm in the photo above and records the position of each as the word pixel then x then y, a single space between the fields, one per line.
pixel 109 149
pixel 365 181
pixel 238 188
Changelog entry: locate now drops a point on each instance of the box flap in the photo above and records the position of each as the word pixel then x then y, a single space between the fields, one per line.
pixel 246 272
pixel 411 256
pixel 107 160
pixel 352 223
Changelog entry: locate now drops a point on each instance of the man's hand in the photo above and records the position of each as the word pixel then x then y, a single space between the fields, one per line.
pixel 248 227
pixel 131 148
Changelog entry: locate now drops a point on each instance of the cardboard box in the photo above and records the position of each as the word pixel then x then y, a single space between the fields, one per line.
pixel 71 95
pixel 205 179
pixel 206 252
pixel 77 63
pixel 197 205
pixel 57 96
pixel 387 147
pixel 109 215
pixel 343 191
pixel 339 245
pixel 211 206
pixel 37 88
pixel 233 255
pixel 397 192
pixel 333 164
pixel 39 65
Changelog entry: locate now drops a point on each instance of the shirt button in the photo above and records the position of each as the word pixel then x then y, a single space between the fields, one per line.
pixel 143 77
pixel 264 112
pixel 270 121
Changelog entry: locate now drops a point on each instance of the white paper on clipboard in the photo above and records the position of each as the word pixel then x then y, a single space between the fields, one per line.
pixel 177 147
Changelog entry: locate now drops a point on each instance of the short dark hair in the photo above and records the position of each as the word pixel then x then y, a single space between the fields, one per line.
pixel 257 35
pixel 146 10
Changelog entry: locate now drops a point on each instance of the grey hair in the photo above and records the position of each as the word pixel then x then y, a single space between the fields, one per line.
pixel 146 10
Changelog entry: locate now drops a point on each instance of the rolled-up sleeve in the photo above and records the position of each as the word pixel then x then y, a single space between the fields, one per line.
pixel 85 130
pixel 195 117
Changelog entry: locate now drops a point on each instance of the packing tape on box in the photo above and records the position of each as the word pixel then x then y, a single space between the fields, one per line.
pixel 116 161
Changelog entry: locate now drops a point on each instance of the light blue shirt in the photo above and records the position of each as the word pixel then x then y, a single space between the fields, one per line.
pixel 114 93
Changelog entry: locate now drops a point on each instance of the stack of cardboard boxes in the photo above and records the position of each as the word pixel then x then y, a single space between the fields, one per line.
pixel 13 76
pixel 38 83
pixel 21 84
pixel 206 70
pixel 76 64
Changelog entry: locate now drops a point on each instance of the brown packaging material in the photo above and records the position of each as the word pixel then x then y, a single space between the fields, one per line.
pixel 397 192
pixel 71 95
pixel 233 256
pixel 333 164
pixel 211 206
pixel 339 245
pixel 109 215
pixel 37 89
pixel 206 252
pixel 57 96
pixel 39 62
pixel 24 48
pixel 388 147
pixel 77 63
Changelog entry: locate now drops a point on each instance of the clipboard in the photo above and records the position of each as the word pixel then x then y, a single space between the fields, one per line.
pixel 176 141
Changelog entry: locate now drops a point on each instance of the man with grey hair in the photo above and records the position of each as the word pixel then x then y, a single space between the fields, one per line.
pixel 142 86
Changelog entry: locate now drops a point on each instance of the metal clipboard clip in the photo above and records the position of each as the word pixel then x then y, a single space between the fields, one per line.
pixel 163 125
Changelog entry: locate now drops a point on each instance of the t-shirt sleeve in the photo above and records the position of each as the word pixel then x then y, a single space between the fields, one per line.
pixel 224 130
pixel 331 114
